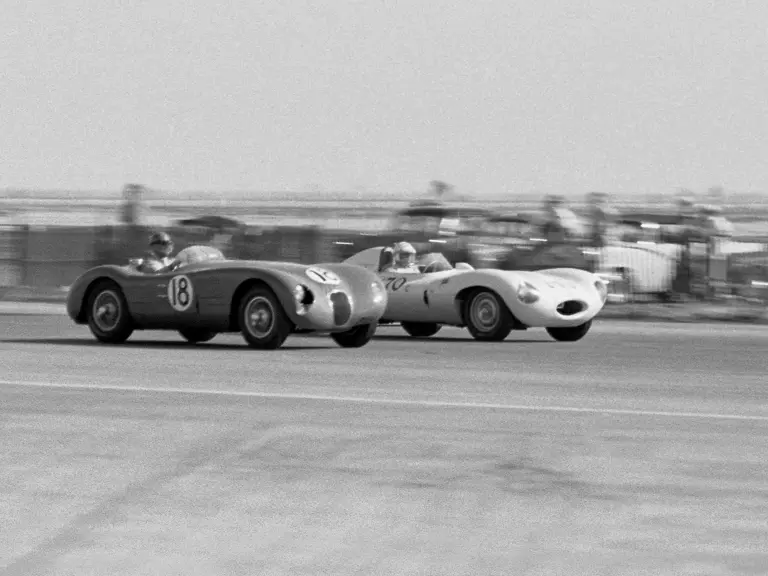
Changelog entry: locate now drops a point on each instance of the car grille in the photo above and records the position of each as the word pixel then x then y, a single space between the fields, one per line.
pixel 342 308
pixel 570 307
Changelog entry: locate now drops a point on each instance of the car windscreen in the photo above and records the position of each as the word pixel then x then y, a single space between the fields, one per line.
pixel 433 262
pixel 196 254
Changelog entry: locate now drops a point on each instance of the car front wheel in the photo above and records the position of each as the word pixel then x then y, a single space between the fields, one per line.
pixel 421 329
pixel 108 316
pixel 570 334
pixel 197 336
pixel 487 316
pixel 263 322
pixel 357 337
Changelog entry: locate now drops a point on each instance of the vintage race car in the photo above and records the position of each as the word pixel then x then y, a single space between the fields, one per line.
pixel 203 294
pixel 490 303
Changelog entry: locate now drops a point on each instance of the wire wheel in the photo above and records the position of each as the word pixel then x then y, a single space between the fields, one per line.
pixel 263 321
pixel 260 317
pixel 108 316
pixel 487 316
pixel 106 311
pixel 484 312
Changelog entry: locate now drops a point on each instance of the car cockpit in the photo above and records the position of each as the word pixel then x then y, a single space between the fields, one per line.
pixel 426 263
pixel 186 257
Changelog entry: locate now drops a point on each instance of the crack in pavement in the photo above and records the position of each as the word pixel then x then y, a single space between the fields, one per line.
pixel 44 555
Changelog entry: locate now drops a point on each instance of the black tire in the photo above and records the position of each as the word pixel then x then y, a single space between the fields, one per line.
pixel 421 329
pixel 107 311
pixel 275 326
pixel 357 337
pixel 571 334
pixel 197 335
pixel 487 317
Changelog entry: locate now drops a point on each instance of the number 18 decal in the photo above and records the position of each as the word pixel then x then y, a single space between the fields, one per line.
pixel 180 293
pixel 322 276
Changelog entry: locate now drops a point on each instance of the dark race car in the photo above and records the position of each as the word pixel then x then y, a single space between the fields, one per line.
pixel 203 294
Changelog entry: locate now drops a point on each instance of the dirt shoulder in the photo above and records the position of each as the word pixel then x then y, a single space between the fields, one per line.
pixel 734 312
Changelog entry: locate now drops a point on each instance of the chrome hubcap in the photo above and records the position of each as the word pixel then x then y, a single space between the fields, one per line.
pixel 106 311
pixel 484 313
pixel 260 317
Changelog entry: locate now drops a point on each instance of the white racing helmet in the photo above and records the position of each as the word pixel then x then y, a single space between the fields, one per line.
pixel 403 254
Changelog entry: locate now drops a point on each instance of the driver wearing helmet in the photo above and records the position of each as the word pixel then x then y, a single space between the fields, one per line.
pixel 159 255
pixel 403 259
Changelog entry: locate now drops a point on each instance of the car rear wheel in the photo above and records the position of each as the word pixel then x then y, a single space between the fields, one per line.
pixel 570 334
pixel 487 316
pixel 421 329
pixel 263 322
pixel 107 312
pixel 357 337
pixel 196 335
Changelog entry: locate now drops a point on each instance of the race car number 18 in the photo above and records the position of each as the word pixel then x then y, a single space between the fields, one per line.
pixel 180 293
pixel 322 276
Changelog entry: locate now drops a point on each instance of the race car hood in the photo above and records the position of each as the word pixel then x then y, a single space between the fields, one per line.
pixel 562 280
pixel 288 267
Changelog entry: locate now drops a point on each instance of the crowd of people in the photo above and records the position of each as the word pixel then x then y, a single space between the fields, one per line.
pixel 598 224
pixel 602 223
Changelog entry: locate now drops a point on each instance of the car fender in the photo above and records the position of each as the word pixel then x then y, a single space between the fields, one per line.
pixel 357 279
pixel 279 282
pixel 576 275
pixel 458 286
pixel 80 288
pixel 445 291
pixel 557 286
pixel 357 282
pixel 506 283
pixel 569 282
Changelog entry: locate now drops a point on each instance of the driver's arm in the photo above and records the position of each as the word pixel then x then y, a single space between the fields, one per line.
pixel 152 266
pixel 172 266
pixel 149 265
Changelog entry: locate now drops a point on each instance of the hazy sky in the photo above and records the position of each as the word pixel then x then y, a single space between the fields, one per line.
pixel 491 95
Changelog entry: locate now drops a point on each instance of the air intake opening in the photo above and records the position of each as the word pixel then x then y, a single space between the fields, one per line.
pixel 342 308
pixel 570 307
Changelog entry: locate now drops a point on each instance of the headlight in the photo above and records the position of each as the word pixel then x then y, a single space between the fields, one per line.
pixel 303 298
pixel 379 294
pixel 527 294
pixel 602 288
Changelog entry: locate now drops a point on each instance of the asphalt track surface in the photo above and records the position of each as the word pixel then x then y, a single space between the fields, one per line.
pixel 639 450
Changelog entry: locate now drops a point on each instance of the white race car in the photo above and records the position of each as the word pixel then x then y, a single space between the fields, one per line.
pixel 489 302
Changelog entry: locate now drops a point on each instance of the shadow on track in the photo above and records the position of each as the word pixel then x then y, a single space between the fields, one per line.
pixel 164 344
pixel 509 340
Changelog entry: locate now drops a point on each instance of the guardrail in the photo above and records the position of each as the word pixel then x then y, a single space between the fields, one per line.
pixel 45 257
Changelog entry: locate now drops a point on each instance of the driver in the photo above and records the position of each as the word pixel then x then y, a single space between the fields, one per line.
pixel 159 256
pixel 403 259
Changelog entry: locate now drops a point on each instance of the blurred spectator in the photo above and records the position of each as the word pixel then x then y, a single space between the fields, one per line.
pixel 686 209
pixel 716 195
pixel 714 222
pixel 560 224
pixel 438 188
pixel 552 227
pixel 687 222
pixel 600 219
pixel 131 211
